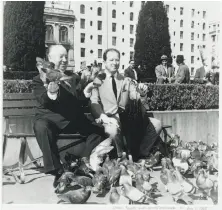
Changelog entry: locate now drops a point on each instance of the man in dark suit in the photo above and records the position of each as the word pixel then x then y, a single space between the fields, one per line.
pixel 60 111
pixel 183 73
pixel 130 71
pixel 200 75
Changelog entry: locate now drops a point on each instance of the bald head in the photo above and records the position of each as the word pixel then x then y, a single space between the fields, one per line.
pixel 58 55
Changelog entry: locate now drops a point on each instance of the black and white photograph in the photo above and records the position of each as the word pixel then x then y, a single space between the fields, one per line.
pixel 111 103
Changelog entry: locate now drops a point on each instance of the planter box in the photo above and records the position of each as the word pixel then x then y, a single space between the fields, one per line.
pixel 192 125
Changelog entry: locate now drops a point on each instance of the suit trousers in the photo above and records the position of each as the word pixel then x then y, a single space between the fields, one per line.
pixel 46 134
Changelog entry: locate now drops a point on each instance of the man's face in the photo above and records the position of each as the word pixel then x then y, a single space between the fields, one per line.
pixel 164 62
pixel 112 62
pixel 132 64
pixel 59 57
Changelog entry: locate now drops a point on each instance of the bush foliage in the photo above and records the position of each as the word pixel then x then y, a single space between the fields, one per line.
pixel 15 75
pixel 161 97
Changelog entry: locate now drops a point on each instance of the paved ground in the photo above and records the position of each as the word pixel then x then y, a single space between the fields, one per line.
pixel 38 190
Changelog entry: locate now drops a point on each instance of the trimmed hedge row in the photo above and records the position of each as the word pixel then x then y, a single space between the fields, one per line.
pixel 161 97
pixel 13 75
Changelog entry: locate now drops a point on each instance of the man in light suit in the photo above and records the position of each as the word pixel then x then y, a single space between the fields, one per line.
pixel 164 72
pixel 109 101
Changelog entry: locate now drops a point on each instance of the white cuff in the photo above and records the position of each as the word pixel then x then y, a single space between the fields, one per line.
pixel 88 90
pixel 87 95
pixel 52 96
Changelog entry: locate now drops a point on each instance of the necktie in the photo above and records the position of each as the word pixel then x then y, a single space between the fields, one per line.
pixel 114 86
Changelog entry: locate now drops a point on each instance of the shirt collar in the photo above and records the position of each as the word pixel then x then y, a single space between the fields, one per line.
pixel 109 75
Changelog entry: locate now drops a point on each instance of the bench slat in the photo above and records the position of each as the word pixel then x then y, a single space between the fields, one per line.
pixel 18 96
pixel 20 104
pixel 18 112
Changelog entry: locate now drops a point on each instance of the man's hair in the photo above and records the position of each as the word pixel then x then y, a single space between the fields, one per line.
pixel 131 60
pixel 110 50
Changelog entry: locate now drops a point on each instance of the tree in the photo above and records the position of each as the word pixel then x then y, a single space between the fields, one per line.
pixel 24 34
pixel 152 37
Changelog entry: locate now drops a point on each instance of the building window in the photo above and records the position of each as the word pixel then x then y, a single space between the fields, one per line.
pixel 99 11
pixel 192 59
pixel 114 13
pixel 131 55
pixel 214 27
pixel 113 27
pixel 122 27
pixel 82 39
pixel 131 42
pixel 192 47
pixel 192 24
pixel 181 34
pixel 99 39
pixel 192 13
pixel 131 3
pixel 63 34
pixel 181 46
pixel 204 26
pixel 174 44
pixel 167 8
pixel 204 14
pixel 99 53
pixel 181 10
pixel 49 33
pixel 174 33
pixel 192 70
pixel 82 9
pixel 82 23
pixel 82 52
pixel 122 39
pixel 131 16
pixel 181 23
pixel 192 36
pixel 122 66
pixel 91 23
pixel 114 41
pixel 198 36
pixel 114 2
pixel 204 46
pixel 204 37
pixel 131 29
pixel 99 26
pixel 91 37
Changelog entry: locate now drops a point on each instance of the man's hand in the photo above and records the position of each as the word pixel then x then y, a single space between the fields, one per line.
pixel 111 130
pixel 53 87
pixel 142 89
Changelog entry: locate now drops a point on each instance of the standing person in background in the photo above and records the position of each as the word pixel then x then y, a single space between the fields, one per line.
pixel 164 71
pixel 183 73
pixel 200 75
pixel 131 71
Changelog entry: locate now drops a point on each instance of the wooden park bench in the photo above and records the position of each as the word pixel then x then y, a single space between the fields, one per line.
pixel 19 108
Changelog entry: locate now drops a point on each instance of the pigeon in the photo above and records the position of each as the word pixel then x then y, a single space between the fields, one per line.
pixel 214 192
pixel 96 157
pixel 124 176
pixel 114 196
pixel 99 79
pixel 153 160
pixel 114 174
pixel 134 195
pixel 76 194
pixel 100 182
pixel 165 173
pixel 203 181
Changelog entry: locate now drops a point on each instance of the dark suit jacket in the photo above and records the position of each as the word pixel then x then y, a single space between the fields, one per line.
pixel 65 108
pixel 199 75
pixel 129 73
pixel 183 74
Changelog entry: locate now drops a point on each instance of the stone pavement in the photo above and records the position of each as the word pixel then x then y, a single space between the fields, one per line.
pixel 38 189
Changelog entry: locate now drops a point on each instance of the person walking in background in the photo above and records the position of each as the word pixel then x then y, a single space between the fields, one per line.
pixel 164 71
pixel 131 71
pixel 183 73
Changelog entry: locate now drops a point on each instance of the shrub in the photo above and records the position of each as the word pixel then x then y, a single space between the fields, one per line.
pixel 15 75
pixel 161 97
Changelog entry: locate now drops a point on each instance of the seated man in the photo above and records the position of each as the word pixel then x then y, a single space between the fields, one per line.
pixel 60 111
pixel 110 99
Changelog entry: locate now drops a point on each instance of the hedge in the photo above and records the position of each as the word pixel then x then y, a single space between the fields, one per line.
pixel 13 75
pixel 161 97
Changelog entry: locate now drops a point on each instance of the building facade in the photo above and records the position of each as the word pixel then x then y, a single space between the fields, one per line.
pixel 60 28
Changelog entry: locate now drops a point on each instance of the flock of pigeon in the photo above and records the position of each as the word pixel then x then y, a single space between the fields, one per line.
pixel 124 178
